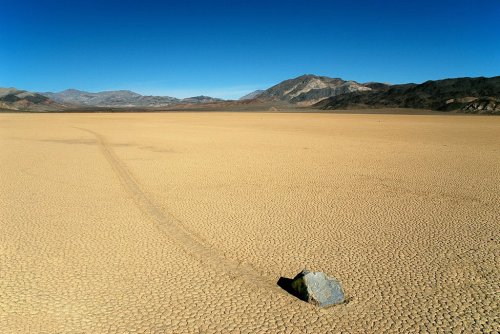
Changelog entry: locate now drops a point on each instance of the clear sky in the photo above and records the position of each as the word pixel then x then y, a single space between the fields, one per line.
pixel 229 48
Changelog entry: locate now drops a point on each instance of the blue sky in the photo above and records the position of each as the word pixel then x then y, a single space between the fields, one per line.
pixel 229 48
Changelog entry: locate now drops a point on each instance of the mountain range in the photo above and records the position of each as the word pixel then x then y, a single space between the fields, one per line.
pixel 120 98
pixel 473 95
pixel 468 94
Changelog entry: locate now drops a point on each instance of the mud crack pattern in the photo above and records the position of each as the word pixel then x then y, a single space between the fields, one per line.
pixel 182 222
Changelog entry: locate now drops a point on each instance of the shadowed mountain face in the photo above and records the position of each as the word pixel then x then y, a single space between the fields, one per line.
pixel 15 99
pixel 309 89
pixel 476 95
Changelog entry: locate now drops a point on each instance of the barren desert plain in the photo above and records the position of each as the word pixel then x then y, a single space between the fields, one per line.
pixel 184 222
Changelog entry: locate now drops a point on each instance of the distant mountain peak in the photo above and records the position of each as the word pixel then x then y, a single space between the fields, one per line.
pixel 308 89
pixel 200 99
pixel 119 91
pixel 17 99
pixel 252 95
pixel 72 91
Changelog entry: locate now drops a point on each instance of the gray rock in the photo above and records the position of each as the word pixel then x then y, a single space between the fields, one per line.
pixel 317 288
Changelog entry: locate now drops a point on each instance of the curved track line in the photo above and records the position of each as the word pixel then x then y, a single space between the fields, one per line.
pixel 172 227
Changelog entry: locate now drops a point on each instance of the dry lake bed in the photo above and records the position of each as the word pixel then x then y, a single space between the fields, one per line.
pixel 184 222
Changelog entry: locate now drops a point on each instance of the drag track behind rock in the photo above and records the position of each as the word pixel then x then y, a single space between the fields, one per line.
pixel 172 228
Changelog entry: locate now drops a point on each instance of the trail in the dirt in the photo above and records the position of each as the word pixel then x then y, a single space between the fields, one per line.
pixel 171 227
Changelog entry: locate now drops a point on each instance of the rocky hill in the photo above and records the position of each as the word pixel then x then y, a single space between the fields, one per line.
pixel 467 94
pixel 200 99
pixel 122 99
pixel 15 99
pixel 118 98
pixel 252 95
pixel 309 89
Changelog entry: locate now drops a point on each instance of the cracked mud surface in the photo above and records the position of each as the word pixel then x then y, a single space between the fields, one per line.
pixel 183 222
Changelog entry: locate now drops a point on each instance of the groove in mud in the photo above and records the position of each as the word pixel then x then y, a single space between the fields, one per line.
pixel 171 227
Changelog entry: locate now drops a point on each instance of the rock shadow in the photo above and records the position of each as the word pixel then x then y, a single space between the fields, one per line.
pixel 286 284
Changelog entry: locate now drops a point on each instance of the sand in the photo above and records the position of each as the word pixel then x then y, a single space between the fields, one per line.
pixel 183 222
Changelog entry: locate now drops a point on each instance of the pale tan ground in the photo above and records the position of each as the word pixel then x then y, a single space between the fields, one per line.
pixel 183 222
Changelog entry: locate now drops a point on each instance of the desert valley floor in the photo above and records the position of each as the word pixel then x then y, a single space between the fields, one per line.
pixel 184 222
